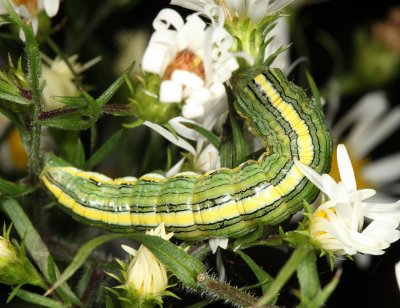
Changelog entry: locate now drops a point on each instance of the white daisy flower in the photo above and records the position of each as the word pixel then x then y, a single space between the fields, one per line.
pixel 30 9
pixel 256 10
pixel 338 225
pixel 371 121
pixel 193 60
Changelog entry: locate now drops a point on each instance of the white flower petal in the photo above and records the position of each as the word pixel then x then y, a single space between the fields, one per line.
pixel 237 6
pixel 346 169
pixel 183 130
pixel 278 5
pixel 379 132
pixel 188 79
pixel 361 112
pixel 383 170
pixel 312 175
pixel 170 92
pixel 258 10
pixel 167 18
pixel 175 168
pixel 156 58
pixel 51 7
pixel 180 142
pixel 195 5
pixel 129 250
pixel 218 242
pixel 191 34
pixel 397 272
pixel 192 111
pixel 208 159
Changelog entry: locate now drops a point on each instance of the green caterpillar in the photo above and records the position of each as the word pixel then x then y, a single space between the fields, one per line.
pixel 220 203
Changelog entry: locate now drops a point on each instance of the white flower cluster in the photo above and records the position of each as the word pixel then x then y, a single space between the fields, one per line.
pixel 193 60
pixel 338 225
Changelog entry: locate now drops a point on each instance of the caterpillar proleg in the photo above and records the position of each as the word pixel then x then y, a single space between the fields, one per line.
pixel 223 202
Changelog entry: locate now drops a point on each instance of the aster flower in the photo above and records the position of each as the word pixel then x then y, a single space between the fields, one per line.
pixel 193 61
pixel 258 26
pixel 146 277
pixel 367 131
pixel 338 225
pixel 30 9
pixel 256 10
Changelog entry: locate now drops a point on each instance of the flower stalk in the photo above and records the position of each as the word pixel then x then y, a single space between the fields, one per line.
pixel 34 74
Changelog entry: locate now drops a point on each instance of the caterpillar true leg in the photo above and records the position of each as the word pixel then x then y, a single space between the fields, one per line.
pixel 224 202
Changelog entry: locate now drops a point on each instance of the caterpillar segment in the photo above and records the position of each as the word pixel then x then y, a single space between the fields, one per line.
pixel 223 202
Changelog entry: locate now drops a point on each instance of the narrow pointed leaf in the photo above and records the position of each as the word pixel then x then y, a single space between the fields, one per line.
pixel 38 299
pixel 33 242
pixel 104 150
pixel 113 88
pixel 210 136
pixel 307 274
pixel 284 274
pixel 15 99
pixel 314 88
pixel 261 275
pixel 10 189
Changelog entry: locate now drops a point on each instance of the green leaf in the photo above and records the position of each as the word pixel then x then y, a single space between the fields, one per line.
pixel 10 189
pixel 240 153
pixel 323 296
pixel 113 88
pixel 83 282
pixel 33 243
pixel 314 88
pixel 307 274
pixel 80 258
pixel 72 101
pixel 108 301
pixel 15 99
pixel 210 136
pixel 69 119
pixel 261 275
pixel 79 157
pixel 104 150
pixel 38 299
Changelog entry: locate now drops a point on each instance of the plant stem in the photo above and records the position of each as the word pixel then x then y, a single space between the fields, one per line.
pixel 219 290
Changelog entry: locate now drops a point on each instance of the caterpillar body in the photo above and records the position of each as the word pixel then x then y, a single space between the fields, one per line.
pixel 223 202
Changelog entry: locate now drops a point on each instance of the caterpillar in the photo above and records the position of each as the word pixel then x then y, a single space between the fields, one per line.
pixel 223 202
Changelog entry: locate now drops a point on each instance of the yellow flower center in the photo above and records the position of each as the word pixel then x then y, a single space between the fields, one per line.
pixel 358 165
pixel 188 61
pixel 31 5
pixel 322 214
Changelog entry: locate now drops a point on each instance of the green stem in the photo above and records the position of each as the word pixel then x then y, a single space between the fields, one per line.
pixel 35 73
pixel 223 291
